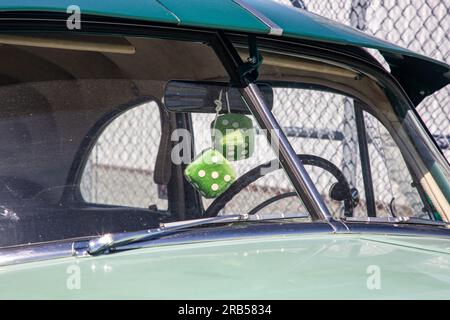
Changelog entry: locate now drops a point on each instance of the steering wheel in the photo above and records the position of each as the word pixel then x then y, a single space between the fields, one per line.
pixel 339 191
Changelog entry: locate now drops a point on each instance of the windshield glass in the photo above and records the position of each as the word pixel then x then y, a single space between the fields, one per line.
pixel 125 138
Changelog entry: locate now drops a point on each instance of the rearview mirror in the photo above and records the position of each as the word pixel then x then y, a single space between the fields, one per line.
pixel 199 97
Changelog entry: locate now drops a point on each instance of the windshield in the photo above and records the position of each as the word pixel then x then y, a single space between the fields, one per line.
pixel 90 146
pixel 375 140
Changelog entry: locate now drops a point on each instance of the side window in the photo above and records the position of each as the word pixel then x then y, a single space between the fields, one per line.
pixel 120 167
pixel 393 184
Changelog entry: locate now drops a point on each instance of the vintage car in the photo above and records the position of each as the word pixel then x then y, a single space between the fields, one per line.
pixel 220 149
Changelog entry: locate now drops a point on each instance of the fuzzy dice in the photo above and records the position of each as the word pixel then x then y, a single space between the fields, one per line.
pixel 233 136
pixel 210 173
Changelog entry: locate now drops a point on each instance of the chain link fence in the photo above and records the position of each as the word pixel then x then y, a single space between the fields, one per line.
pixel 420 25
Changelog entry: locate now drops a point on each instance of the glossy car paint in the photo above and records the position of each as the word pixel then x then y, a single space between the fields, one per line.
pixel 289 267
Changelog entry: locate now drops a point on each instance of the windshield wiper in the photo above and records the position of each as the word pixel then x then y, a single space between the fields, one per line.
pixel 397 220
pixel 108 242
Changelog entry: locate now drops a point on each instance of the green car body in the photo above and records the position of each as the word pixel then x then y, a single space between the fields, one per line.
pixel 283 267
pixel 330 264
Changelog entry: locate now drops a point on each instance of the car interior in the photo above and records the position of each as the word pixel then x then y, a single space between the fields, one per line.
pixel 61 96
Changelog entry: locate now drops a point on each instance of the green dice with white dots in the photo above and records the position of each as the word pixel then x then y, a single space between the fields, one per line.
pixel 234 136
pixel 210 173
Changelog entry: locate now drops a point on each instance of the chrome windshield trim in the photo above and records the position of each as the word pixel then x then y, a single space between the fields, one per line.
pixel 269 229
pixel 111 241
pixel 274 29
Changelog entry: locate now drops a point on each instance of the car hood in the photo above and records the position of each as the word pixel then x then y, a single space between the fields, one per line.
pixel 289 267
pixel 420 76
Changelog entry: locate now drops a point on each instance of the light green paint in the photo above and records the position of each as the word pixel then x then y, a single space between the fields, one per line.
pixel 291 267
